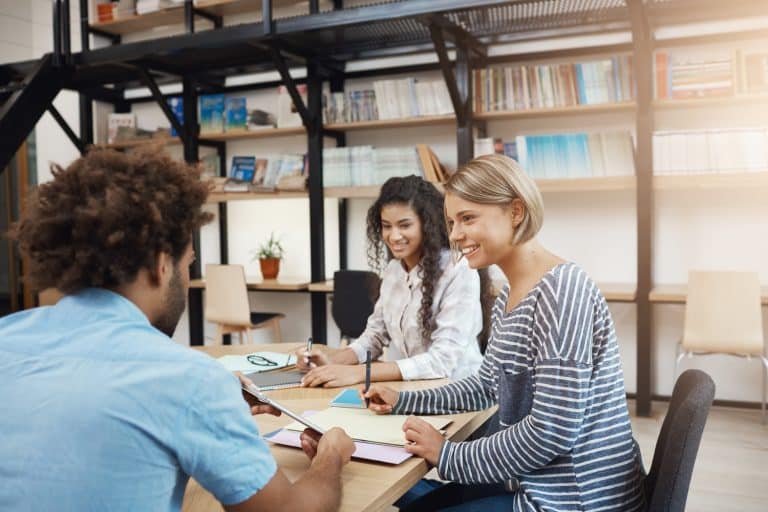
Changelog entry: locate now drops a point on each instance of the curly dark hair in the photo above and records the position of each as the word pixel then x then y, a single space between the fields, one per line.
pixel 427 202
pixel 108 215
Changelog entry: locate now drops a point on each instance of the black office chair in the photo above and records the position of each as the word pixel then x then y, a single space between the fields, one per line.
pixel 666 486
pixel 354 295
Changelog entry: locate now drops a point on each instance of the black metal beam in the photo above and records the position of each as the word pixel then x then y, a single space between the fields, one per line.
pixel 447 68
pixel 307 117
pixel 457 35
pixel 158 96
pixel 267 23
pixel 57 58
pixel 113 38
pixel 643 71
pixel 316 199
pixel 85 100
pixel 20 113
pixel 67 129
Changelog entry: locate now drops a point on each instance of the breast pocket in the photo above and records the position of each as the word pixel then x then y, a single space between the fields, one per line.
pixel 515 396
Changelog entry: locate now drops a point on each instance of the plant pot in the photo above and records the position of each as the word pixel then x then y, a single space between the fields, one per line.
pixel 270 267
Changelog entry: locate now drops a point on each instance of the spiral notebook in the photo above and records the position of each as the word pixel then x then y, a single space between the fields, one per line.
pixel 277 379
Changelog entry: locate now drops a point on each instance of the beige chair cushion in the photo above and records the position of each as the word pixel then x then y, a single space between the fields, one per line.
pixel 226 295
pixel 723 313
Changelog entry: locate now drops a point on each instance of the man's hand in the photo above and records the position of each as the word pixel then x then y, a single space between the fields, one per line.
pixel 334 376
pixel 382 398
pixel 423 439
pixel 256 406
pixel 335 440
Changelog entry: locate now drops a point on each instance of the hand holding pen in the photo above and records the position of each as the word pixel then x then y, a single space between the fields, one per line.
pixel 308 358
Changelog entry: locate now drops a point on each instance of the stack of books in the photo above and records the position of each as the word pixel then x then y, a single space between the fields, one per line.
pixel 525 87
pixel 687 74
pixel 359 166
pixel 710 151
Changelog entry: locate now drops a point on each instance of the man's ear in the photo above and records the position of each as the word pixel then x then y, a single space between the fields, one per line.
pixel 162 269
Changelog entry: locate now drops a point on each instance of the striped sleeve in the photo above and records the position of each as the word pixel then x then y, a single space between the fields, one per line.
pixel 468 394
pixel 549 430
pixel 562 336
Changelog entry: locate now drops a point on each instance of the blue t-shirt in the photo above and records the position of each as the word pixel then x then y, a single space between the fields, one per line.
pixel 101 411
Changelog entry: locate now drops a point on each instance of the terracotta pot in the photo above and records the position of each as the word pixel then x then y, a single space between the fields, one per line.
pixel 270 267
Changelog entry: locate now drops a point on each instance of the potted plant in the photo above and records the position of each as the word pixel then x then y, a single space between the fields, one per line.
pixel 269 255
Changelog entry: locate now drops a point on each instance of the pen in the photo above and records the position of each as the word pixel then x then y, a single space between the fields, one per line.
pixel 309 348
pixel 367 375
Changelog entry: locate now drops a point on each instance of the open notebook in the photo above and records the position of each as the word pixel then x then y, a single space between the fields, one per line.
pixel 364 425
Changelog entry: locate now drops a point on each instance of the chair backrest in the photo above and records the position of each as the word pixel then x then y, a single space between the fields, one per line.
pixel 723 313
pixel 666 486
pixel 354 295
pixel 226 295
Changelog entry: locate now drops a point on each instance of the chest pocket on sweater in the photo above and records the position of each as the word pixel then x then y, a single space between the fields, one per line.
pixel 515 396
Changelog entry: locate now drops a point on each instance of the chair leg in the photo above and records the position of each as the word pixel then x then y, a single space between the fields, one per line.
pixel 764 361
pixel 680 354
pixel 219 340
pixel 276 329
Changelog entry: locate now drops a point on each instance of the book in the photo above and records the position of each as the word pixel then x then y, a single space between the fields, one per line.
pixel 243 168
pixel 277 380
pixel 235 114
pixel 117 121
pixel 177 107
pixel 366 425
pixel 211 113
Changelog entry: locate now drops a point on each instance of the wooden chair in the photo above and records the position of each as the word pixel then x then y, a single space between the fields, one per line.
pixel 226 304
pixel 723 316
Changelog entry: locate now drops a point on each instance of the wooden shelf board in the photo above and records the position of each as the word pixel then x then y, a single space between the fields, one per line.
pixel 287 284
pixel 713 101
pixel 587 184
pixel 133 143
pixel 254 134
pixel 711 180
pixel 618 292
pixel 551 185
pixel 352 192
pixel 393 123
pixel 138 23
pixel 677 294
pixel 322 286
pixel 222 197
pixel 558 111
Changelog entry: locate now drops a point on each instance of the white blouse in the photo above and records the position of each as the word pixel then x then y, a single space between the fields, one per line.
pixel 452 350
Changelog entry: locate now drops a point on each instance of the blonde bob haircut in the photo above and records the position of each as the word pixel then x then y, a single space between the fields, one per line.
pixel 499 180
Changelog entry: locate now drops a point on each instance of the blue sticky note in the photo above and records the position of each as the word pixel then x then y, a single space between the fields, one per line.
pixel 348 398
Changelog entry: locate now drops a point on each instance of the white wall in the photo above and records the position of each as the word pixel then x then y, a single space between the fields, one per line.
pixel 693 230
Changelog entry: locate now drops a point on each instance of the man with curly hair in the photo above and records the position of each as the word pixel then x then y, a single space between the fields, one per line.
pixel 101 409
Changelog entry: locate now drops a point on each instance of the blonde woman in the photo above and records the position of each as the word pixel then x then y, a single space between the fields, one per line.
pixel 552 365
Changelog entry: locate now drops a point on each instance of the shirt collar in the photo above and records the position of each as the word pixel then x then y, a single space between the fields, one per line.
pixel 105 302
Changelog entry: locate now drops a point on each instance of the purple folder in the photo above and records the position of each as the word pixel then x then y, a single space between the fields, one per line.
pixel 363 450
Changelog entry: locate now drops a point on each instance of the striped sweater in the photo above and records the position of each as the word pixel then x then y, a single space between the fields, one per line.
pixel 552 364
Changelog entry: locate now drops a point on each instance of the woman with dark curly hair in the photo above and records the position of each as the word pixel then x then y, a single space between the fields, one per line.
pixel 429 312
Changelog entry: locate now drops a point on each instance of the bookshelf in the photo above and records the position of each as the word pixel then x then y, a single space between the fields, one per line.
pixel 223 197
pixel 678 293
pixel 392 123
pixel 264 133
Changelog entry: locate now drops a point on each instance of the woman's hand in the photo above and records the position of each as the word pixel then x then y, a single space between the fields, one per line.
pixel 334 376
pixel 423 439
pixel 382 398
pixel 307 361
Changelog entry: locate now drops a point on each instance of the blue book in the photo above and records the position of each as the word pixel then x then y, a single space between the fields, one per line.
pixel 235 114
pixel 243 168
pixel 348 398
pixel 211 113
pixel 580 84
pixel 177 107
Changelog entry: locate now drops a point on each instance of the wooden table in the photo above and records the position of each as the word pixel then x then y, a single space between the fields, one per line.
pixel 368 486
